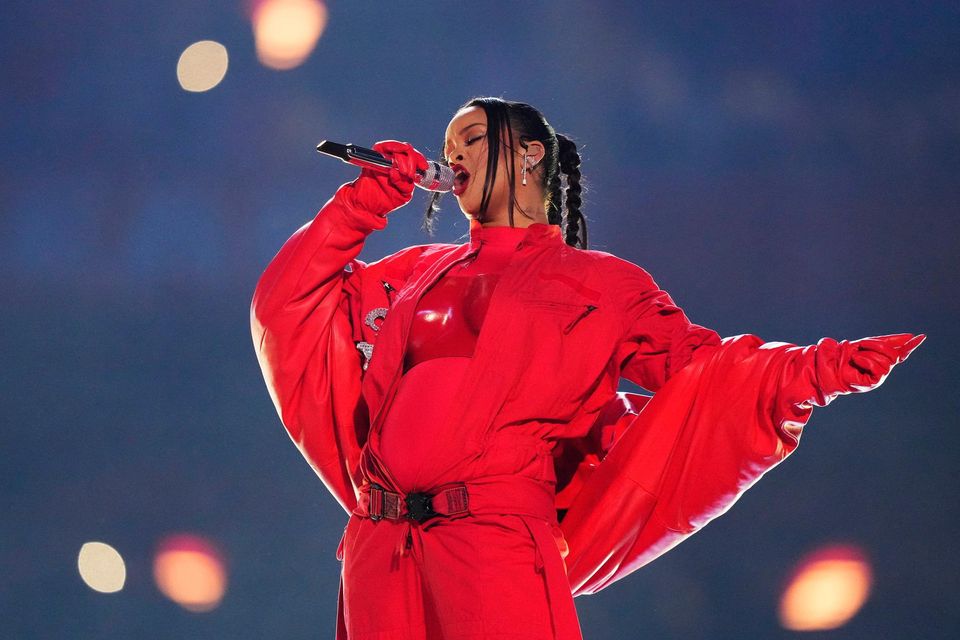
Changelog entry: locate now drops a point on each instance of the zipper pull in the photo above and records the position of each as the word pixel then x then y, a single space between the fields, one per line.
pixel 580 317
pixel 387 288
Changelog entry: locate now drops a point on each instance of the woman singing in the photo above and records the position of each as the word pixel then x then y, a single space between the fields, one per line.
pixel 460 400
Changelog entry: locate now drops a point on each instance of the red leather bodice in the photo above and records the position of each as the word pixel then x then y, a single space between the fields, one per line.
pixel 448 317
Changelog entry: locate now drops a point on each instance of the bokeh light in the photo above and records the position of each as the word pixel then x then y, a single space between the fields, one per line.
pixel 286 31
pixel 190 571
pixel 101 567
pixel 202 66
pixel 827 588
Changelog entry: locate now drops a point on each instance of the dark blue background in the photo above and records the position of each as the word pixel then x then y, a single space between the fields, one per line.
pixel 787 169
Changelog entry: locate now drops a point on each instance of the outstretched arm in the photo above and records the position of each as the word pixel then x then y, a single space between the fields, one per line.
pixel 725 411
pixel 661 340
pixel 305 313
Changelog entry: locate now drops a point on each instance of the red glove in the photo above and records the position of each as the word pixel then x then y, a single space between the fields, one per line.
pixel 380 192
pixel 855 366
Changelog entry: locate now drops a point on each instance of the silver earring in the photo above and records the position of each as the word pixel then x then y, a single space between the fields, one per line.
pixel 524 170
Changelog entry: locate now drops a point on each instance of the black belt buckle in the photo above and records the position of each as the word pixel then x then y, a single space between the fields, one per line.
pixel 420 506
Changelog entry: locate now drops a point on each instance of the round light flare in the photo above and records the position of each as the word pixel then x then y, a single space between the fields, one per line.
pixel 101 567
pixel 191 572
pixel 827 588
pixel 202 66
pixel 286 31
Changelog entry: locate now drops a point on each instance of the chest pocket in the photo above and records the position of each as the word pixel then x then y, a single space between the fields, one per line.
pixel 566 336
pixel 569 314
pixel 559 300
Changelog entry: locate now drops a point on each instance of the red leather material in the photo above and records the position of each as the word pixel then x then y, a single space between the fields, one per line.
pixel 449 318
pixel 635 476
pixel 378 192
pixel 833 368
pixel 450 314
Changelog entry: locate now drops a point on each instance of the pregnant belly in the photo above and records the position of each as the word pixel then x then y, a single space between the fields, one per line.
pixel 414 427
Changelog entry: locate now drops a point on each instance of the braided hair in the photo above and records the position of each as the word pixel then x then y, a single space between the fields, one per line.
pixel 561 160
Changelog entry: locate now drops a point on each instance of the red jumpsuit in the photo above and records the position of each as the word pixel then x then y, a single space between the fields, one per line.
pixel 402 374
pixel 406 580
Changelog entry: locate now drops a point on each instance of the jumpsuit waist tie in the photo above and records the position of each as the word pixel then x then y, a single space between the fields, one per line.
pixel 496 495
pixel 528 498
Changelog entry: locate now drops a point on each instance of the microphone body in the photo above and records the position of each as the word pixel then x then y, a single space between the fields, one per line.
pixel 437 177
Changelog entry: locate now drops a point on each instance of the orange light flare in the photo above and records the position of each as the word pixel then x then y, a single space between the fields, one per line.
pixel 189 570
pixel 827 587
pixel 286 32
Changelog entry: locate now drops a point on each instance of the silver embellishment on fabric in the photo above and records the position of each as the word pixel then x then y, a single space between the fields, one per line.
pixel 371 321
pixel 367 350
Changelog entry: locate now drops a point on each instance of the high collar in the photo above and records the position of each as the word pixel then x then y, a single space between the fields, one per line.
pixel 536 233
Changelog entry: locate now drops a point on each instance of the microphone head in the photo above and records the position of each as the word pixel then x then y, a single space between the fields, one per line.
pixel 437 177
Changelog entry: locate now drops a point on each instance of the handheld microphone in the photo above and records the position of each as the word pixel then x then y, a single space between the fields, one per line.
pixel 437 177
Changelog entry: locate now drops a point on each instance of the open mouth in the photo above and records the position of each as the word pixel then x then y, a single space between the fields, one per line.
pixel 460 179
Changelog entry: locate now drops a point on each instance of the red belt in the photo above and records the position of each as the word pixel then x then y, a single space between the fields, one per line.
pixel 515 495
pixel 416 506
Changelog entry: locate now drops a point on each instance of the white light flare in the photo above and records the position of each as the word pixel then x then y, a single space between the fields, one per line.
pixel 101 567
pixel 202 66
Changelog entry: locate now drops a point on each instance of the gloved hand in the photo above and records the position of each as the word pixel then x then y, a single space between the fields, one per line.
pixel 380 192
pixel 854 366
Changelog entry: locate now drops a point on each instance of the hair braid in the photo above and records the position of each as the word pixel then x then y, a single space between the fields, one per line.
pixel 554 212
pixel 569 160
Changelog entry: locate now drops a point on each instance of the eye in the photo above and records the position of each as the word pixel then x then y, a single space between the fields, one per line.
pixel 467 144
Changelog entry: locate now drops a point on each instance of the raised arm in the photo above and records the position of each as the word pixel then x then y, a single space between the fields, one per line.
pixel 305 314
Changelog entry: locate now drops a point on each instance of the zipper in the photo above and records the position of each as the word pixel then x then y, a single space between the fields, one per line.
pixel 387 289
pixel 580 317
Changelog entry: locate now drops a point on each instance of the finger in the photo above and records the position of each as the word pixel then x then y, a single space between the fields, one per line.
pixel 875 364
pixel 393 146
pixel 890 350
pixel 411 160
pixel 420 160
pixel 858 380
pixel 893 338
pixel 910 345
pixel 403 156
pixel 406 165
pixel 401 183
pixel 390 148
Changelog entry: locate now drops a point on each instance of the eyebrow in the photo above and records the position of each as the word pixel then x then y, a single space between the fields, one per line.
pixel 475 124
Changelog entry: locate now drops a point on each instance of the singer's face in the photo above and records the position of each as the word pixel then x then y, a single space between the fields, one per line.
pixel 466 149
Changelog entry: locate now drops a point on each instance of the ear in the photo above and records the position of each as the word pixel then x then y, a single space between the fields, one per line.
pixel 534 150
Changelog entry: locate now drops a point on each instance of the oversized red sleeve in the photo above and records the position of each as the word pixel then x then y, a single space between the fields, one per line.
pixel 304 317
pixel 724 412
pixel 660 339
